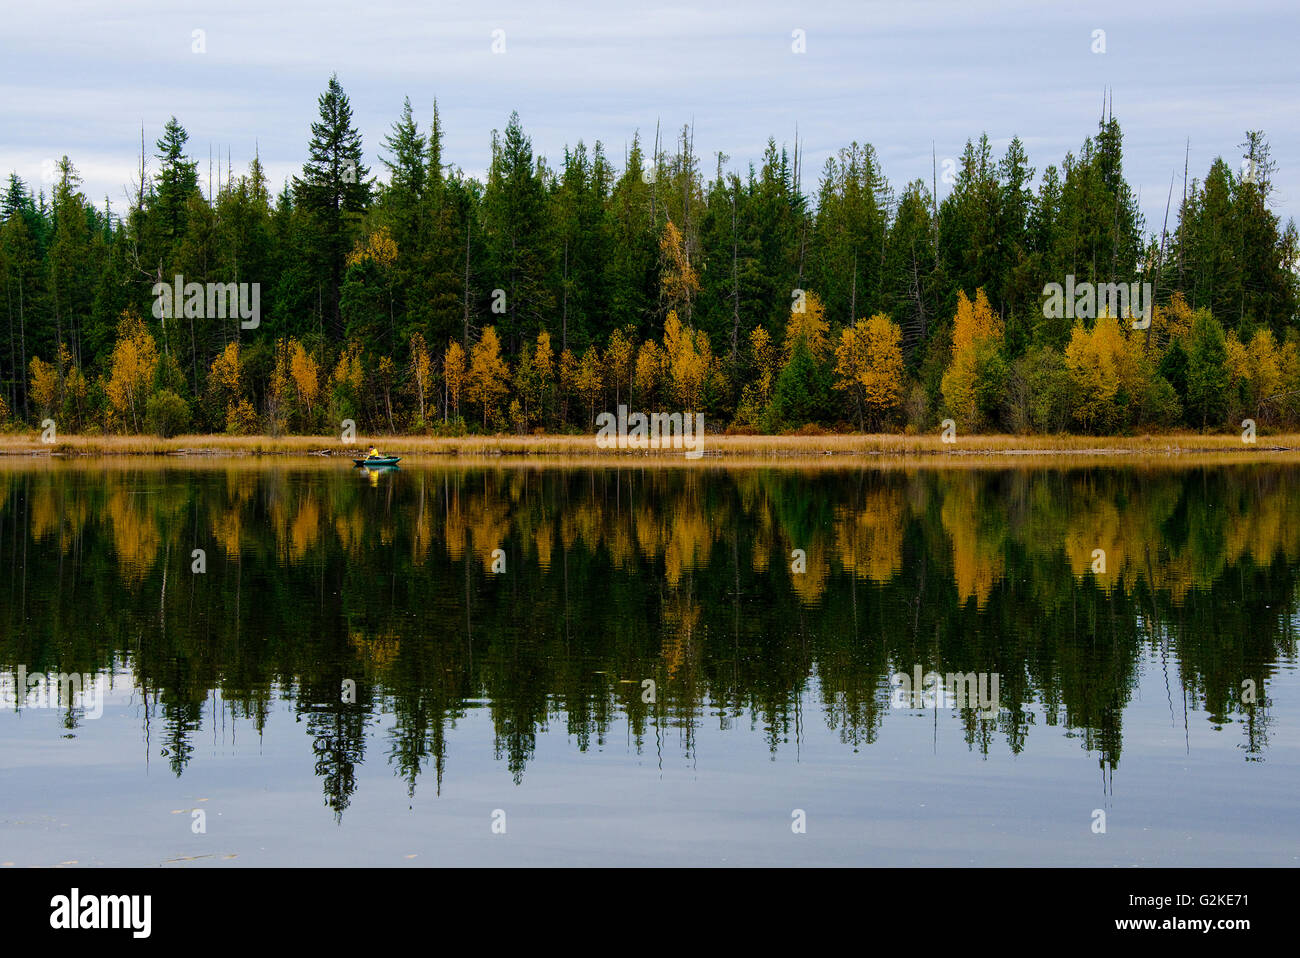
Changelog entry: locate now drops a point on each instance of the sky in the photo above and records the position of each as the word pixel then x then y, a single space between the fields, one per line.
pixel 908 76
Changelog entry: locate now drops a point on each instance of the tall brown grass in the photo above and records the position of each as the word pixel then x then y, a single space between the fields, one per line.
pixel 770 449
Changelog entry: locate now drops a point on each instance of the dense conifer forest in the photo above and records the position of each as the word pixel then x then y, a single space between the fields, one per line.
pixel 416 298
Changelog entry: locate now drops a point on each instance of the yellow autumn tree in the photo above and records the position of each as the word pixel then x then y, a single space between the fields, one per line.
pixel 568 382
pixel 532 378
pixel 421 372
pixel 306 376
pixel 1101 363
pixel 756 394
pixel 348 379
pixel 75 388
pixel 869 367
pixel 453 377
pixel 489 376
pixel 278 389
pixel 1170 322
pixel 807 324
pixel 649 373
pixel 379 247
pixel 224 383
pixel 1254 373
pixel 385 380
pixel 588 381
pixel 976 341
pixel 620 359
pixel 131 370
pixel 689 360
pixel 543 372
pixel 764 353
pixel 678 280
pixel 43 386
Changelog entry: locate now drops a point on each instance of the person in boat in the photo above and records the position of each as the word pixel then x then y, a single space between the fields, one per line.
pixel 373 453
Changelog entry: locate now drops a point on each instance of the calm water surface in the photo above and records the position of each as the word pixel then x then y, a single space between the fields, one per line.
pixel 620 665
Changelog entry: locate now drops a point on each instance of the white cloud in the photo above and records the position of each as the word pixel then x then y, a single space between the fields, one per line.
pixel 81 77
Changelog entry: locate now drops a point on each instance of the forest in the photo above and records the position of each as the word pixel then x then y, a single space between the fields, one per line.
pixel 418 299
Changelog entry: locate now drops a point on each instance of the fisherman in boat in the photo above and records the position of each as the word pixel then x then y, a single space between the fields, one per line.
pixel 373 453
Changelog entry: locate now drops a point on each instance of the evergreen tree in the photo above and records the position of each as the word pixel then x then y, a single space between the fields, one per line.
pixel 332 192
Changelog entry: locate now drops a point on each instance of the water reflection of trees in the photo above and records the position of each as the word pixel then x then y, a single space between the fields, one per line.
pixel 680 576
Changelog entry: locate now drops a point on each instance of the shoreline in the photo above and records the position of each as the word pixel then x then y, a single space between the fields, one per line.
pixel 716 448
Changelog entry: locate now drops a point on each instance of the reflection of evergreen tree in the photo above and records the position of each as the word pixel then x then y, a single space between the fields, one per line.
pixel 180 722
pixel 338 742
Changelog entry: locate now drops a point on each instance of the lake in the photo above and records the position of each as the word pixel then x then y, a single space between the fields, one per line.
pixel 534 664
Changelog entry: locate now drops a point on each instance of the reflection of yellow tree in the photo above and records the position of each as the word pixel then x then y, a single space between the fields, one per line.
pixel 454 532
pixel 351 529
pixel 754 502
pixel 689 542
pixel 1263 526
pixel 43 511
pixel 422 527
pixel 544 541
pixel 488 519
pixel 810 585
pixel 681 626
pixel 227 524
pixel 305 529
pixel 54 512
pixel 869 541
pixel 379 651
pixel 135 533
pixel 976 534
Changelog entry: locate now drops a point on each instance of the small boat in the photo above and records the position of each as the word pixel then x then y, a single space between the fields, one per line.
pixel 379 461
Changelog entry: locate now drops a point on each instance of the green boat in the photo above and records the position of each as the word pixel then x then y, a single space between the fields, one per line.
pixel 380 461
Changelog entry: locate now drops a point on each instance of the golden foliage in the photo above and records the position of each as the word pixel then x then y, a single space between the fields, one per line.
pixel 241 419
pixel 620 357
pixel 678 279
pixel 305 374
pixel 689 360
pixel 587 381
pixel 489 376
pixel 977 539
pixel 807 325
pixel 764 355
pixel 869 365
pixel 453 373
pixel 44 385
pixel 348 371
pixel 649 372
pixel 131 370
pixel 379 247
pixel 974 329
pixel 421 369
pixel 224 383
pixel 135 533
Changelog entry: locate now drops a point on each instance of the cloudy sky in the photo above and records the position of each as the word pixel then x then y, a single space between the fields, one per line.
pixel 81 77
